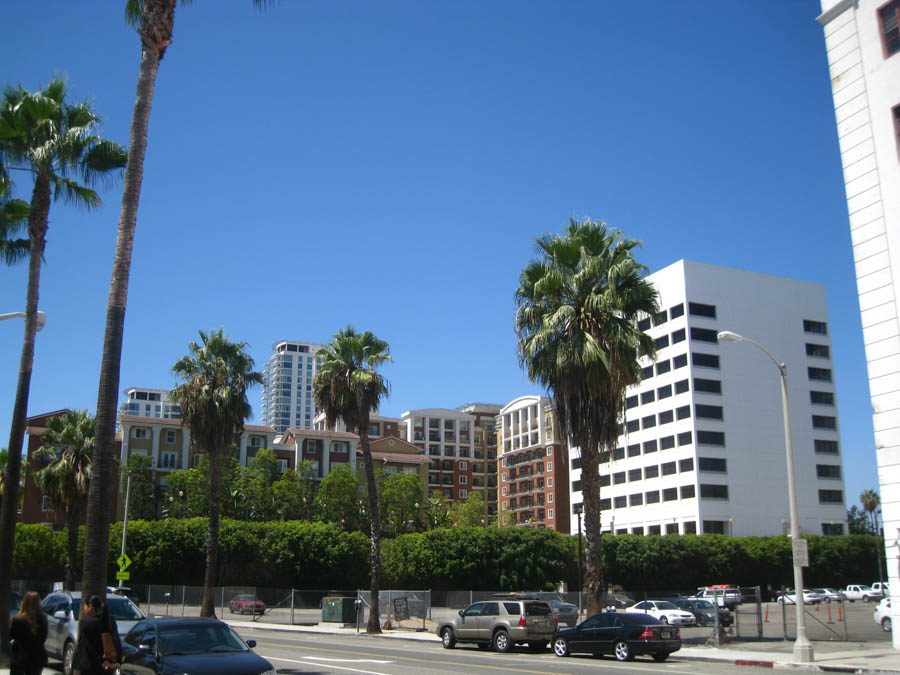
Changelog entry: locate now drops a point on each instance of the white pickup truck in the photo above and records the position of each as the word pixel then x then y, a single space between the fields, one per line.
pixel 728 598
pixel 855 592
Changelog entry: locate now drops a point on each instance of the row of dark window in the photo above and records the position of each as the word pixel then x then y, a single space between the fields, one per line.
pixel 651 395
pixel 652 497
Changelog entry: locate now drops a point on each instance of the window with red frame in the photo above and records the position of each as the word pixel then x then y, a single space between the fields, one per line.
pixel 890 27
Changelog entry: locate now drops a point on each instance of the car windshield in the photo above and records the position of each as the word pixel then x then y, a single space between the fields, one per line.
pixel 703 604
pixel 122 609
pixel 199 639
pixel 665 605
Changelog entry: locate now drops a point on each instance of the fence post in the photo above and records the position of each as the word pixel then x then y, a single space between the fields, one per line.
pixel 292 606
pixel 844 613
pixel 759 612
pixel 183 598
pixel 784 612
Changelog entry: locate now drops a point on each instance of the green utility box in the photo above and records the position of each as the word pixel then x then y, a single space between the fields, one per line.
pixel 339 610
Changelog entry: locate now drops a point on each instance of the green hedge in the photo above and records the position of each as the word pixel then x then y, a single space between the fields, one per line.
pixel 298 554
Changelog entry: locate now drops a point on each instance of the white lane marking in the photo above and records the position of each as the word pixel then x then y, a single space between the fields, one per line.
pixel 322 658
pixel 306 663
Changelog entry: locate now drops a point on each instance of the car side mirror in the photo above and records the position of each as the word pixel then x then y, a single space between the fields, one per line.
pixel 462 612
pixel 144 649
pixel 251 643
pixel 59 614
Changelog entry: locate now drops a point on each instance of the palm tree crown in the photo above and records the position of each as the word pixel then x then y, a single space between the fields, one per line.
pixel 577 326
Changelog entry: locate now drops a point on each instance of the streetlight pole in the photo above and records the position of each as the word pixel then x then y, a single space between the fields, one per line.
pixel 125 518
pixel 578 509
pixel 803 650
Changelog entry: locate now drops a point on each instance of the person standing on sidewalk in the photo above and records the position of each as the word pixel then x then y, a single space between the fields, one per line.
pixel 89 651
pixel 27 634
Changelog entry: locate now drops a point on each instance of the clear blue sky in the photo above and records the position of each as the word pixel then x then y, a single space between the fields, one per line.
pixel 388 164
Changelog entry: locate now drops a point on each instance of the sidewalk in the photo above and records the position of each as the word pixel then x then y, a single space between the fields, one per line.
pixel 842 657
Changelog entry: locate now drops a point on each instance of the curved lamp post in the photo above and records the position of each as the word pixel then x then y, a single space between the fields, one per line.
pixel 803 650
pixel 41 317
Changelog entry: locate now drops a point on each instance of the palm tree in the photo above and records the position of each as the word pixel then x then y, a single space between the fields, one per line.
pixel 213 399
pixel 154 21
pixel 870 502
pixel 578 307
pixel 13 218
pixel 65 453
pixel 348 387
pixel 53 140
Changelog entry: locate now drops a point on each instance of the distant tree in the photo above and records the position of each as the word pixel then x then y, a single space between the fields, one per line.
pixel 401 500
pixel 349 387
pixel 857 521
pixel 308 484
pixel 142 499
pixel 337 500
pixel 215 375
pixel 437 512
pixel 67 446
pixel 469 513
pixel 255 483
pixel 870 502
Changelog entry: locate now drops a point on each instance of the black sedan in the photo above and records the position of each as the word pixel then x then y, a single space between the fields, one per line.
pixel 705 612
pixel 196 646
pixel 623 634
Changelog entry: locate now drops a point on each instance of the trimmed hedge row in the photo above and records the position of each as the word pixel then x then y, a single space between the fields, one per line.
pixel 300 554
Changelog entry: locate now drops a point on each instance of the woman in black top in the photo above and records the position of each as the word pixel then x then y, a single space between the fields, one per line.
pixel 89 651
pixel 29 630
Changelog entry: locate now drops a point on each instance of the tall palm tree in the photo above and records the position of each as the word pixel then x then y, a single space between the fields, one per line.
pixel 154 21
pixel 55 143
pixel 13 218
pixel 870 502
pixel 578 307
pixel 347 387
pixel 65 453
pixel 213 399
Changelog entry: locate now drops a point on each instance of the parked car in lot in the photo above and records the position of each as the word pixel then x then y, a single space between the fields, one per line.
pixel 828 594
pixel 665 611
pixel 566 612
pixel 704 611
pixel 196 646
pixel 623 634
pixel 618 601
pixel 723 596
pixel 810 597
pixel 62 609
pixel 502 623
pixel 883 587
pixel 882 615
pixel 855 592
pixel 246 604
pixel 129 593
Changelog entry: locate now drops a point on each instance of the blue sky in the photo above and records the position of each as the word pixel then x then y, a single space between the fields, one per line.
pixel 389 164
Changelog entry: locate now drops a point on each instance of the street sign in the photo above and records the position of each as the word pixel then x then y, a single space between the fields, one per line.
pixel 801 552
pixel 124 561
pixel 123 576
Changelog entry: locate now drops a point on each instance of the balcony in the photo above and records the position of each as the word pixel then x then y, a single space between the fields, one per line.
pixel 450 437
pixel 434 436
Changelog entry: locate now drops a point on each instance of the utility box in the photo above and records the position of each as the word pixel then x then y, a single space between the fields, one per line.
pixel 339 610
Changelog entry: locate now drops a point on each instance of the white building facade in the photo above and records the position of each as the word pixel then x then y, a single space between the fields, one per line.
pixel 862 39
pixel 702 446
pixel 149 403
pixel 287 400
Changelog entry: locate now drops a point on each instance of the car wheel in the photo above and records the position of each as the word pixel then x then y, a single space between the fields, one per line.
pixel 701 620
pixel 561 646
pixel 663 619
pixel 827 601
pixel 660 656
pixel 886 624
pixel 483 646
pixel 230 609
pixel 623 652
pixel 537 646
pixel 68 658
pixel 866 598
pixel 448 639
pixel 501 642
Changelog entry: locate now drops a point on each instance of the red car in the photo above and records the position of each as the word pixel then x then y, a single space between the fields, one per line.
pixel 246 604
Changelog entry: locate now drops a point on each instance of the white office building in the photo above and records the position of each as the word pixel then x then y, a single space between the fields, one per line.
pixel 862 38
pixel 287 400
pixel 702 447
pixel 149 403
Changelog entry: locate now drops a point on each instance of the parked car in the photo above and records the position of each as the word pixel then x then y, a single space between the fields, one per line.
pixel 62 609
pixel 129 593
pixel 882 615
pixel 665 611
pixel 618 601
pixel 723 596
pixel 855 592
pixel 15 602
pixel 502 623
pixel 196 646
pixel 883 587
pixel 704 611
pixel 790 597
pixel 246 604
pixel 566 612
pixel 622 634
pixel 828 594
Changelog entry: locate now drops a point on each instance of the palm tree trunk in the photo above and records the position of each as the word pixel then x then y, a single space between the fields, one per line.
pixel 590 490
pixel 374 623
pixel 9 506
pixel 214 500
pixel 73 520
pixel 157 21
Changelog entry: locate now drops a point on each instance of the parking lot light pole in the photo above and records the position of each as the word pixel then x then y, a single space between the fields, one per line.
pixel 803 650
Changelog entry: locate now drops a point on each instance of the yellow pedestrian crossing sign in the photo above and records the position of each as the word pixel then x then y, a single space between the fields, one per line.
pixel 123 576
pixel 124 561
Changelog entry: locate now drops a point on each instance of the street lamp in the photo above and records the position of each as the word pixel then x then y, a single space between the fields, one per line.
pixel 579 509
pixel 41 318
pixel 803 650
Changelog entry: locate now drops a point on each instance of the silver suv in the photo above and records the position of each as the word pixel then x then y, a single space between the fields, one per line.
pixel 502 623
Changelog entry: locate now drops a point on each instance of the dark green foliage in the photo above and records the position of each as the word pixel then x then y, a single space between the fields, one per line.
pixel 40 553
